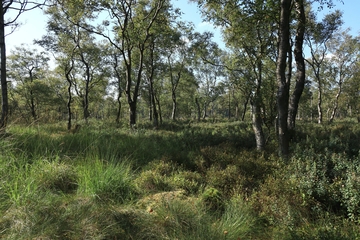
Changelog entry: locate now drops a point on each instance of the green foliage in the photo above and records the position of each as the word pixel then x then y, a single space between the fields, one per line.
pixel 213 199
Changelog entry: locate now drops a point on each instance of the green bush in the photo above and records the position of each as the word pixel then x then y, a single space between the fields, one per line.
pixel 213 199
pixel 329 180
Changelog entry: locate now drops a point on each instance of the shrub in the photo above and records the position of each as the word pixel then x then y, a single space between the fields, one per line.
pixel 330 180
pixel 213 199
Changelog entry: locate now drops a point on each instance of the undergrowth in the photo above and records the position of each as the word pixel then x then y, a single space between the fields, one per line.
pixel 182 181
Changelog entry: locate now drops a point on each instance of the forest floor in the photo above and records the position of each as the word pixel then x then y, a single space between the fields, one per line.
pixel 185 181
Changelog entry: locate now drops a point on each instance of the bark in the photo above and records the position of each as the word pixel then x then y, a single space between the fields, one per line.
pixel 174 105
pixel 205 111
pixel 198 109
pixel 118 114
pixel 118 77
pixel 32 100
pixel 132 110
pixel 32 106
pixel 237 112
pixel 150 106
pixel 154 116
pixel 283 84
pixel 159 108
pixel 68 79
pixel 153 103
pixel 174 84
pixel 257 126
pixel 132 98
pixel 336 104
pixel 229 106
pixel 88 78
pixel 86 101
pixel 256 117
pixel 245 108
pixel 4 87
pixel 319 103
pixel 300 64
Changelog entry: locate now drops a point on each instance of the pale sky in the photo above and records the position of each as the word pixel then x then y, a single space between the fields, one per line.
pixel 34 22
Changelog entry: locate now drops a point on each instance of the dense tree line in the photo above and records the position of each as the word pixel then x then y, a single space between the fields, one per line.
pixel 138 59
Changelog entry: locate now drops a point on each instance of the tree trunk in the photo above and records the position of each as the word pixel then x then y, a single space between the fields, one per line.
pixel 283 84
pixel 68 79
pixel 257 125
pixel 150 105
pixel 198 109
pixel 205 111
pixel 69 106
pixel 336 104
pixel 245 107
pixel 32 106
pixel 237 111
pixel 118 114
pixel 153 104
pixel 132 110
pixel 32 100
pixel 132 98
pixel 174 105
pixel 159 108
pixel 300 65
pixel 319 104
pixel 4 88
pixel 229 106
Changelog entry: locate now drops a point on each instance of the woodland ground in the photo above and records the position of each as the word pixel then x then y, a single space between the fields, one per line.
pixel 187 181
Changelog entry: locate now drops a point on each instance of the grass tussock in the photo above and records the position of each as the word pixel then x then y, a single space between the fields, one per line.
pixel 181 181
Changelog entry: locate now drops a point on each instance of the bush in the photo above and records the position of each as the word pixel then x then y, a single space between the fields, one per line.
pixel 329 180
pixel 213 199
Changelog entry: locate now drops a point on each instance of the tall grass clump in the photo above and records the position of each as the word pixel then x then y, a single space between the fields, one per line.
pixel 107 181
pixel 188 218
pixel 56 176
pixel 17 182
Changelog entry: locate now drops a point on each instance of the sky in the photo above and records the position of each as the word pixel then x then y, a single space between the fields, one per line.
pixel 34 22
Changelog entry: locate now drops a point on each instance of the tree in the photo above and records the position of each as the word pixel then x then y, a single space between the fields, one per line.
pixel 300 64
pixel 28 68
pixel 129 31
pixel 79 55
pixel 91 71
pixel 17 7
pixel 167 57
pixel 209 72
pixel 352 93
pixel 250 32
pixel 114 60
pixel 317 37
pixel 282 80
pixel 179 54
pixel 344 50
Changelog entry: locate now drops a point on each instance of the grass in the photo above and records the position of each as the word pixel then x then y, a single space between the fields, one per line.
pixel 183 181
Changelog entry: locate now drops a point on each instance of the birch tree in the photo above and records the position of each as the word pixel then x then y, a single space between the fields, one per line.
pixel 16 8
